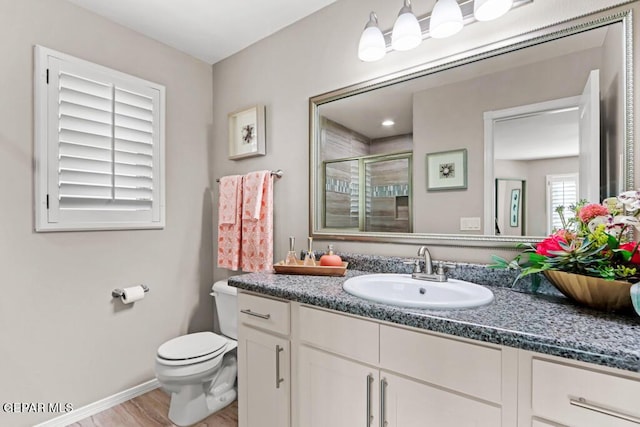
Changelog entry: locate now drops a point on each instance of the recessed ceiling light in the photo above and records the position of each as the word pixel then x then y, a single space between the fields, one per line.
pixel 388 122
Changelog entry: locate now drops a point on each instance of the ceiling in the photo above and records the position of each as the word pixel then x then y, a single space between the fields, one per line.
pixel 544 135
pixel 210 30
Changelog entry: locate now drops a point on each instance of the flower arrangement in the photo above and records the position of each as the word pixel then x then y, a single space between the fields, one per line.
pixel 595 240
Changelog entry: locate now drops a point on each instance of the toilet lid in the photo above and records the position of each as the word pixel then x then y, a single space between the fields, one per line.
pixel 192 345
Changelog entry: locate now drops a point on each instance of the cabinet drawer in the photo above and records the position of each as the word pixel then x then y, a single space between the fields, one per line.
pixel 471 369
pixel 409 403
pixel 264 313
pixel 583 397
pixel 354 338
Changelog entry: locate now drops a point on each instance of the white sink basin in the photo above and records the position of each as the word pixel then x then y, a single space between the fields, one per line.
pixel 403 291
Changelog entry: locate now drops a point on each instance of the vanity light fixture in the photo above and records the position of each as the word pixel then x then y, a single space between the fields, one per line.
pixel 406 32
pixel 372 45
pixel 487 10
pixel 447 18
pixel 388 122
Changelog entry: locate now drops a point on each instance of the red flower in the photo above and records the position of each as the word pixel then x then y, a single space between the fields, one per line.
pixel 552 243
pixel 630 246
pixel 590 211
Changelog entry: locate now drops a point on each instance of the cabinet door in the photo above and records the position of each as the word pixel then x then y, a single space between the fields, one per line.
pixel 336 392
pixel 263 379
pixel 408 403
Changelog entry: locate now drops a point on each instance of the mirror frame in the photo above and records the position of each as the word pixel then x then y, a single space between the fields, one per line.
pixel 546 34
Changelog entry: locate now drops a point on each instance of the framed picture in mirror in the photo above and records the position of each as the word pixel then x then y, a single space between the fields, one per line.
pixel 447 170
pixel 514 217
pixel 247 132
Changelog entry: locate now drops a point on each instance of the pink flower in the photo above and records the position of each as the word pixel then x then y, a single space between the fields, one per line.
pixel 591 211
pixel 630 246
pixel 552 243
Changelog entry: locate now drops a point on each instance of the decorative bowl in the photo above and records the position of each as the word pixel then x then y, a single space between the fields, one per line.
pixel 594 292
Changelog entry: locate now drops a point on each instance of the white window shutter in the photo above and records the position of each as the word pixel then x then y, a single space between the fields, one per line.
pixel 562 190
pixel 104 147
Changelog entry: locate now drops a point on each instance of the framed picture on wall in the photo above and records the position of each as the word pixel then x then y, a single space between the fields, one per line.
pixel 514 211
pixel 447 170
pixel 247 133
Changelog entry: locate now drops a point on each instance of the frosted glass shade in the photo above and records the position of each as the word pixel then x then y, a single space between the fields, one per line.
pixel 446 19
pixel 486 10
pixel 372 46
pixel 406 32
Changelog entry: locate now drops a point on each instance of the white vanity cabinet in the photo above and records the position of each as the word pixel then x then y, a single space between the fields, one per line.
pixel 264 374
pixel 355 372
pixel 326 368
pixel 555 392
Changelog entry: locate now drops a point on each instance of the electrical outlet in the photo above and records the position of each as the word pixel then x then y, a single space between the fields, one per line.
pixel 470 223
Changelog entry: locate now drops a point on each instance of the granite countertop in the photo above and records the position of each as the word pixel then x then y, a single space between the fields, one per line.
pixel 544 323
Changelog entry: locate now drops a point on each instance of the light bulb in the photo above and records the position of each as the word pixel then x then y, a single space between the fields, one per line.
pixel 486 10
pixel 446 19
pixel 406 33
pixel 372 46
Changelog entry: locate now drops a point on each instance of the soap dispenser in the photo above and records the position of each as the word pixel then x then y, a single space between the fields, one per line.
pixel 330 259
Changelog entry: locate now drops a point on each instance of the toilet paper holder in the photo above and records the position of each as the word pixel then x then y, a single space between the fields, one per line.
pixel 117 293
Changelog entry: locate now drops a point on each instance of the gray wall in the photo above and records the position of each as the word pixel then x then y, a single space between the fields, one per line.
pixel 63 339
pixel 451 117
pixel 317 55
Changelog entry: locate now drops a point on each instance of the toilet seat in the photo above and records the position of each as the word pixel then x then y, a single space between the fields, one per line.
pixel 191 348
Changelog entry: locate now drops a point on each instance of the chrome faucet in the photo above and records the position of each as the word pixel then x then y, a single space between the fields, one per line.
pixel 428 274
pixel 428 264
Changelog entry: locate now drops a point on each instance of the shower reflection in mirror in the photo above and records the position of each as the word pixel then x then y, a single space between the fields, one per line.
pixel 367 180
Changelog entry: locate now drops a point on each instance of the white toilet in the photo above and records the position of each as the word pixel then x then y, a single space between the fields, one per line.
pixel 199 369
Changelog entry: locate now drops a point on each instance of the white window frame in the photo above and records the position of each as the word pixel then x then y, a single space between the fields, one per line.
pixel 47 210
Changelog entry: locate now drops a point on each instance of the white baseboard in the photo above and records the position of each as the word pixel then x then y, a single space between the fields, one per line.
pixel 101 405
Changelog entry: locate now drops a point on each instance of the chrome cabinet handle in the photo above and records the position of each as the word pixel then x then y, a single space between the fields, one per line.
pixel 278 379
pixel 369 414
pixel 581 402
pixel 383 403
pixel 251 313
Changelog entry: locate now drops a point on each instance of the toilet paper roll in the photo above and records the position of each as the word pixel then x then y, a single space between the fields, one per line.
pixel 132 294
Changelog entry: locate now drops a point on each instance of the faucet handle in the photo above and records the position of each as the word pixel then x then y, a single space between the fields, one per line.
pixel 415 263
pixel 442 267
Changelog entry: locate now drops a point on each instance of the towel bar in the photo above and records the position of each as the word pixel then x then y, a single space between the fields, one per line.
pixel 277 173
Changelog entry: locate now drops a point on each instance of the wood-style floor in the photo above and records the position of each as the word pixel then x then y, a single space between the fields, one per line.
pixel 150 410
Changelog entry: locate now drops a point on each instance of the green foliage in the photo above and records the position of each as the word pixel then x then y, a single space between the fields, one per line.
pixel 589 243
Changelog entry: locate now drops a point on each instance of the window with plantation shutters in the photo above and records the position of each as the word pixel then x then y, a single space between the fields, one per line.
pixel 99 147
pixel 562 190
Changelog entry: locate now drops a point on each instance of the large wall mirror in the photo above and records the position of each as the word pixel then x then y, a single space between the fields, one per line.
pixel 478 150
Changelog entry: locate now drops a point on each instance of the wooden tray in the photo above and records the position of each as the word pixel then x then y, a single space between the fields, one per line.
pixel 317 270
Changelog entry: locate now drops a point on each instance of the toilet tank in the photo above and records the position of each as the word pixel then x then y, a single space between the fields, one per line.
pixel 227 306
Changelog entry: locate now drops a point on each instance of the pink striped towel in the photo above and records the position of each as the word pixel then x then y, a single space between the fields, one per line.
pixel 257 222
pixel 230 222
